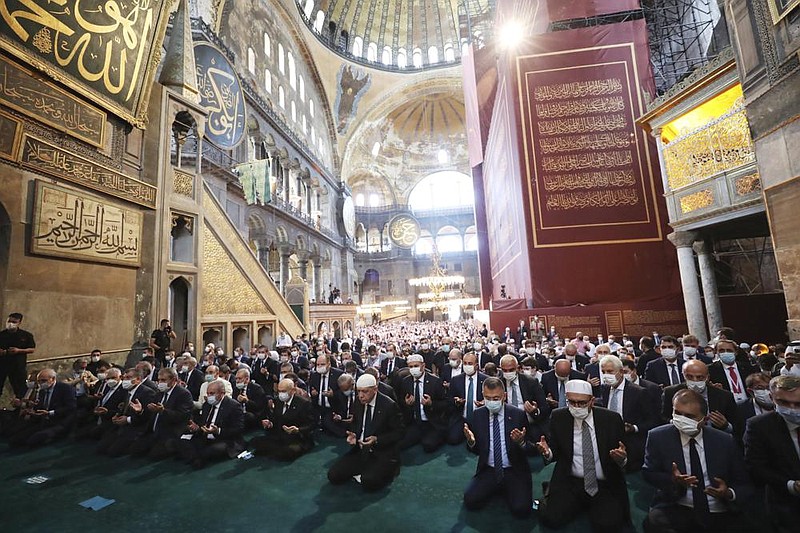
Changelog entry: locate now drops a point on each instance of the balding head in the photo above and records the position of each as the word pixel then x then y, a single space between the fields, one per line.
pixel 562 368
pixel 570 350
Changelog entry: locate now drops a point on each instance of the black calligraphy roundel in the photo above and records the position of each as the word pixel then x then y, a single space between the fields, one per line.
pixel 221 95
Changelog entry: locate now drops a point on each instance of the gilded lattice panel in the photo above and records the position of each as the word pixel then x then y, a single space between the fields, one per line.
pixel 697 200
pixel 183 183
pixel 225 289
pixel 719 146
pixel 747 184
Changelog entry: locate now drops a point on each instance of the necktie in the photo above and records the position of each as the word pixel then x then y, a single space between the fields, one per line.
pixel 368 421
pixel 613 404
pixel 47 397
pixel 589 472
pixel 323 387
pixel 498 448
pixel 390 367
pixel 514 396
pixel 417 397
pixel 285 407
pixel 470 400
pixel 107 395
pixel 562 394
pixel 163 402
pixel 798 437
pixel 349 404
pixel 673 372
pixel 210 416
pixel 700 501
pixel 734 381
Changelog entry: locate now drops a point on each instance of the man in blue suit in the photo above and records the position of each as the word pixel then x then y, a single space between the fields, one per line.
pixel 698 472
pixel 465 388
pixel 52 416
pixel 497 436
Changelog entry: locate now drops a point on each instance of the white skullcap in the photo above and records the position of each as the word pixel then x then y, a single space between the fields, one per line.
pixel 744 346
pixel 366 380
pixel 415 358
pixel 578 386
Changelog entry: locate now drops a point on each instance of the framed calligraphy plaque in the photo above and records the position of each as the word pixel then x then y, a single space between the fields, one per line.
pixel 107 50
pixel 10 135
pixel 74 225
pixel 221 95
pixel 55 161
pixel 404 231
pixel 25 92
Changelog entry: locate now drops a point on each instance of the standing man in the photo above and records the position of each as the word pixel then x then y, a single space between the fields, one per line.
pixel 161 341
pixel 586 445
pixel 497 436
pixel 15 346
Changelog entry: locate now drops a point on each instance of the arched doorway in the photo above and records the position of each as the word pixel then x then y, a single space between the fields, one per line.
pixel 241 339
pixel 179 309
pixel 265 336
pixel 213 335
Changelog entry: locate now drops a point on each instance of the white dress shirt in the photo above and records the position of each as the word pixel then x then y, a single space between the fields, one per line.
pixel 794 437
pixel 714 505
pixel 577 447
pixel 740 396
pixel 203 394
pixel 501 417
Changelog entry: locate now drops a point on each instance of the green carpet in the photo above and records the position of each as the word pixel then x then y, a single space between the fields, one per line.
pixel 255 495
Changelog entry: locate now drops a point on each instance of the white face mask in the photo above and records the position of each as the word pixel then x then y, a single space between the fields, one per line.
pixel 669 354
pixel 690 352
pixel 241 386
pixel 528 371
pixel 284 396
pixel 261 356
pixel 101 375
pixel 530 351
pixel 684 424
pixel 415 371
pixel 469 369
pixel 510 376
pixel 127 384
pixel 570 358
pixel 763 398
pixel 162 387
pixel 112 383
pixel 95 358
pixel 476 346
pixel 322 369
pixel 494 406
pixel 212 400
pixel 454 363
pixel 629 377
pixel 423 346
pixel 609 379
pixel 697 386
pixel 578 413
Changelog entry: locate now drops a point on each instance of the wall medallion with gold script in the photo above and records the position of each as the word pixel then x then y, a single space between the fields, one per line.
pixel 404 231
pixel 221 95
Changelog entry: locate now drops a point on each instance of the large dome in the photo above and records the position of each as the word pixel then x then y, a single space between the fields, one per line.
pixel 402 35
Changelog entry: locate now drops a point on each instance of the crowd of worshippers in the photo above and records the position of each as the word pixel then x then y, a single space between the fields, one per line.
pixel 714 429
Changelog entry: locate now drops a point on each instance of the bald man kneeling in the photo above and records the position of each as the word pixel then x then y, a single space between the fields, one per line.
pixel 288 426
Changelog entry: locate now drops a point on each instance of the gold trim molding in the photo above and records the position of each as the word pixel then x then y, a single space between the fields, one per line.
pixel 697 200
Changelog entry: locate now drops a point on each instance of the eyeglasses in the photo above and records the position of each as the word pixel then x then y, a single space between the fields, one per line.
pixel 575 403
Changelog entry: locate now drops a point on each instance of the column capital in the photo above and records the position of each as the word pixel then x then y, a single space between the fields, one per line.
pixel 683 239
pixel 702 247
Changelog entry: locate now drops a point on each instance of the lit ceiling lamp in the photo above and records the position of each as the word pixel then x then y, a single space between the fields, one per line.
pixel 440 287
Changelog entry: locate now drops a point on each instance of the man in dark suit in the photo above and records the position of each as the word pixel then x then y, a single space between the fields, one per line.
pixel 586 444
pixel 542 363
pixel 425 407
pixel 525 392
pixel 497 434
pixel 128 427
pixel 648 353
pixel 451 368
pixel 692 350
pixel 722 412
pixel 169 413
pixel 322 384
pixel 191 377
pixel 51 417
pixel 111 398
pixel 698 472
pixel 390 364
pixel 759 399
pixel 149 373
pixel 554 383
pixel 666 371
pixel 343 404
pixel 289 425
pixel 374 436
pixel 465 395
pixel 216 430
pixel 576 360
pixel 730 372
pixel 629 369
pixel 638 409
pixel 772 453
pixel 260 369
pixel 388 387
pixel 251 397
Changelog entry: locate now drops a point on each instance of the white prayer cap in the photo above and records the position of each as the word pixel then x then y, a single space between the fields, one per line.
pixel 415 358
pixel 578 386
pixel 365 381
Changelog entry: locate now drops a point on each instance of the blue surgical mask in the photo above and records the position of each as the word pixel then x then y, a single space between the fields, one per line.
pixel 494 406
pixel 792 416
pixel 727 358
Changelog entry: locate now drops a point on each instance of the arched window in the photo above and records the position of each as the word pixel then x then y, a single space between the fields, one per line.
pixel 424 245
pixel 268 80
pixel 442 190
pixel 267 45
pixel 402 59
pixel 305 125
pixel 470 239
pixel 464 47
pixel 281 97
pixel 358 47
pixel 313 134
pixel 372 52
pixel 302 88
pixel 311 108
pixel 360 202
pixel 308 8
pixel 294 111
pixel 320 20
pixel 292 72
pixel 281 64
pixel 449 52
pixel 417 58
pixel 251 60
pixel 386 56
pixel 449 240
pixel 433 55
pixel 373 240
pixel 374 200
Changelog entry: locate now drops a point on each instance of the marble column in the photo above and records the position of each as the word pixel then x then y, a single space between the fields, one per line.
pixel 284 271
pixel 304 269
pixel 317 280
pixel 692 298
pixel 708 279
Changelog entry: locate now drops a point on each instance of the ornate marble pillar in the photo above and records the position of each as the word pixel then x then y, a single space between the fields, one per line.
pixel 692 298
pixel 708 279
pixel 285 253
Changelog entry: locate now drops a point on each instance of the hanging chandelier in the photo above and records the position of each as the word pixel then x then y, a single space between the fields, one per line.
pixel 443 290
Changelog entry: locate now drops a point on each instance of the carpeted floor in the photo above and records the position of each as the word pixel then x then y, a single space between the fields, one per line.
pixel 255 495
